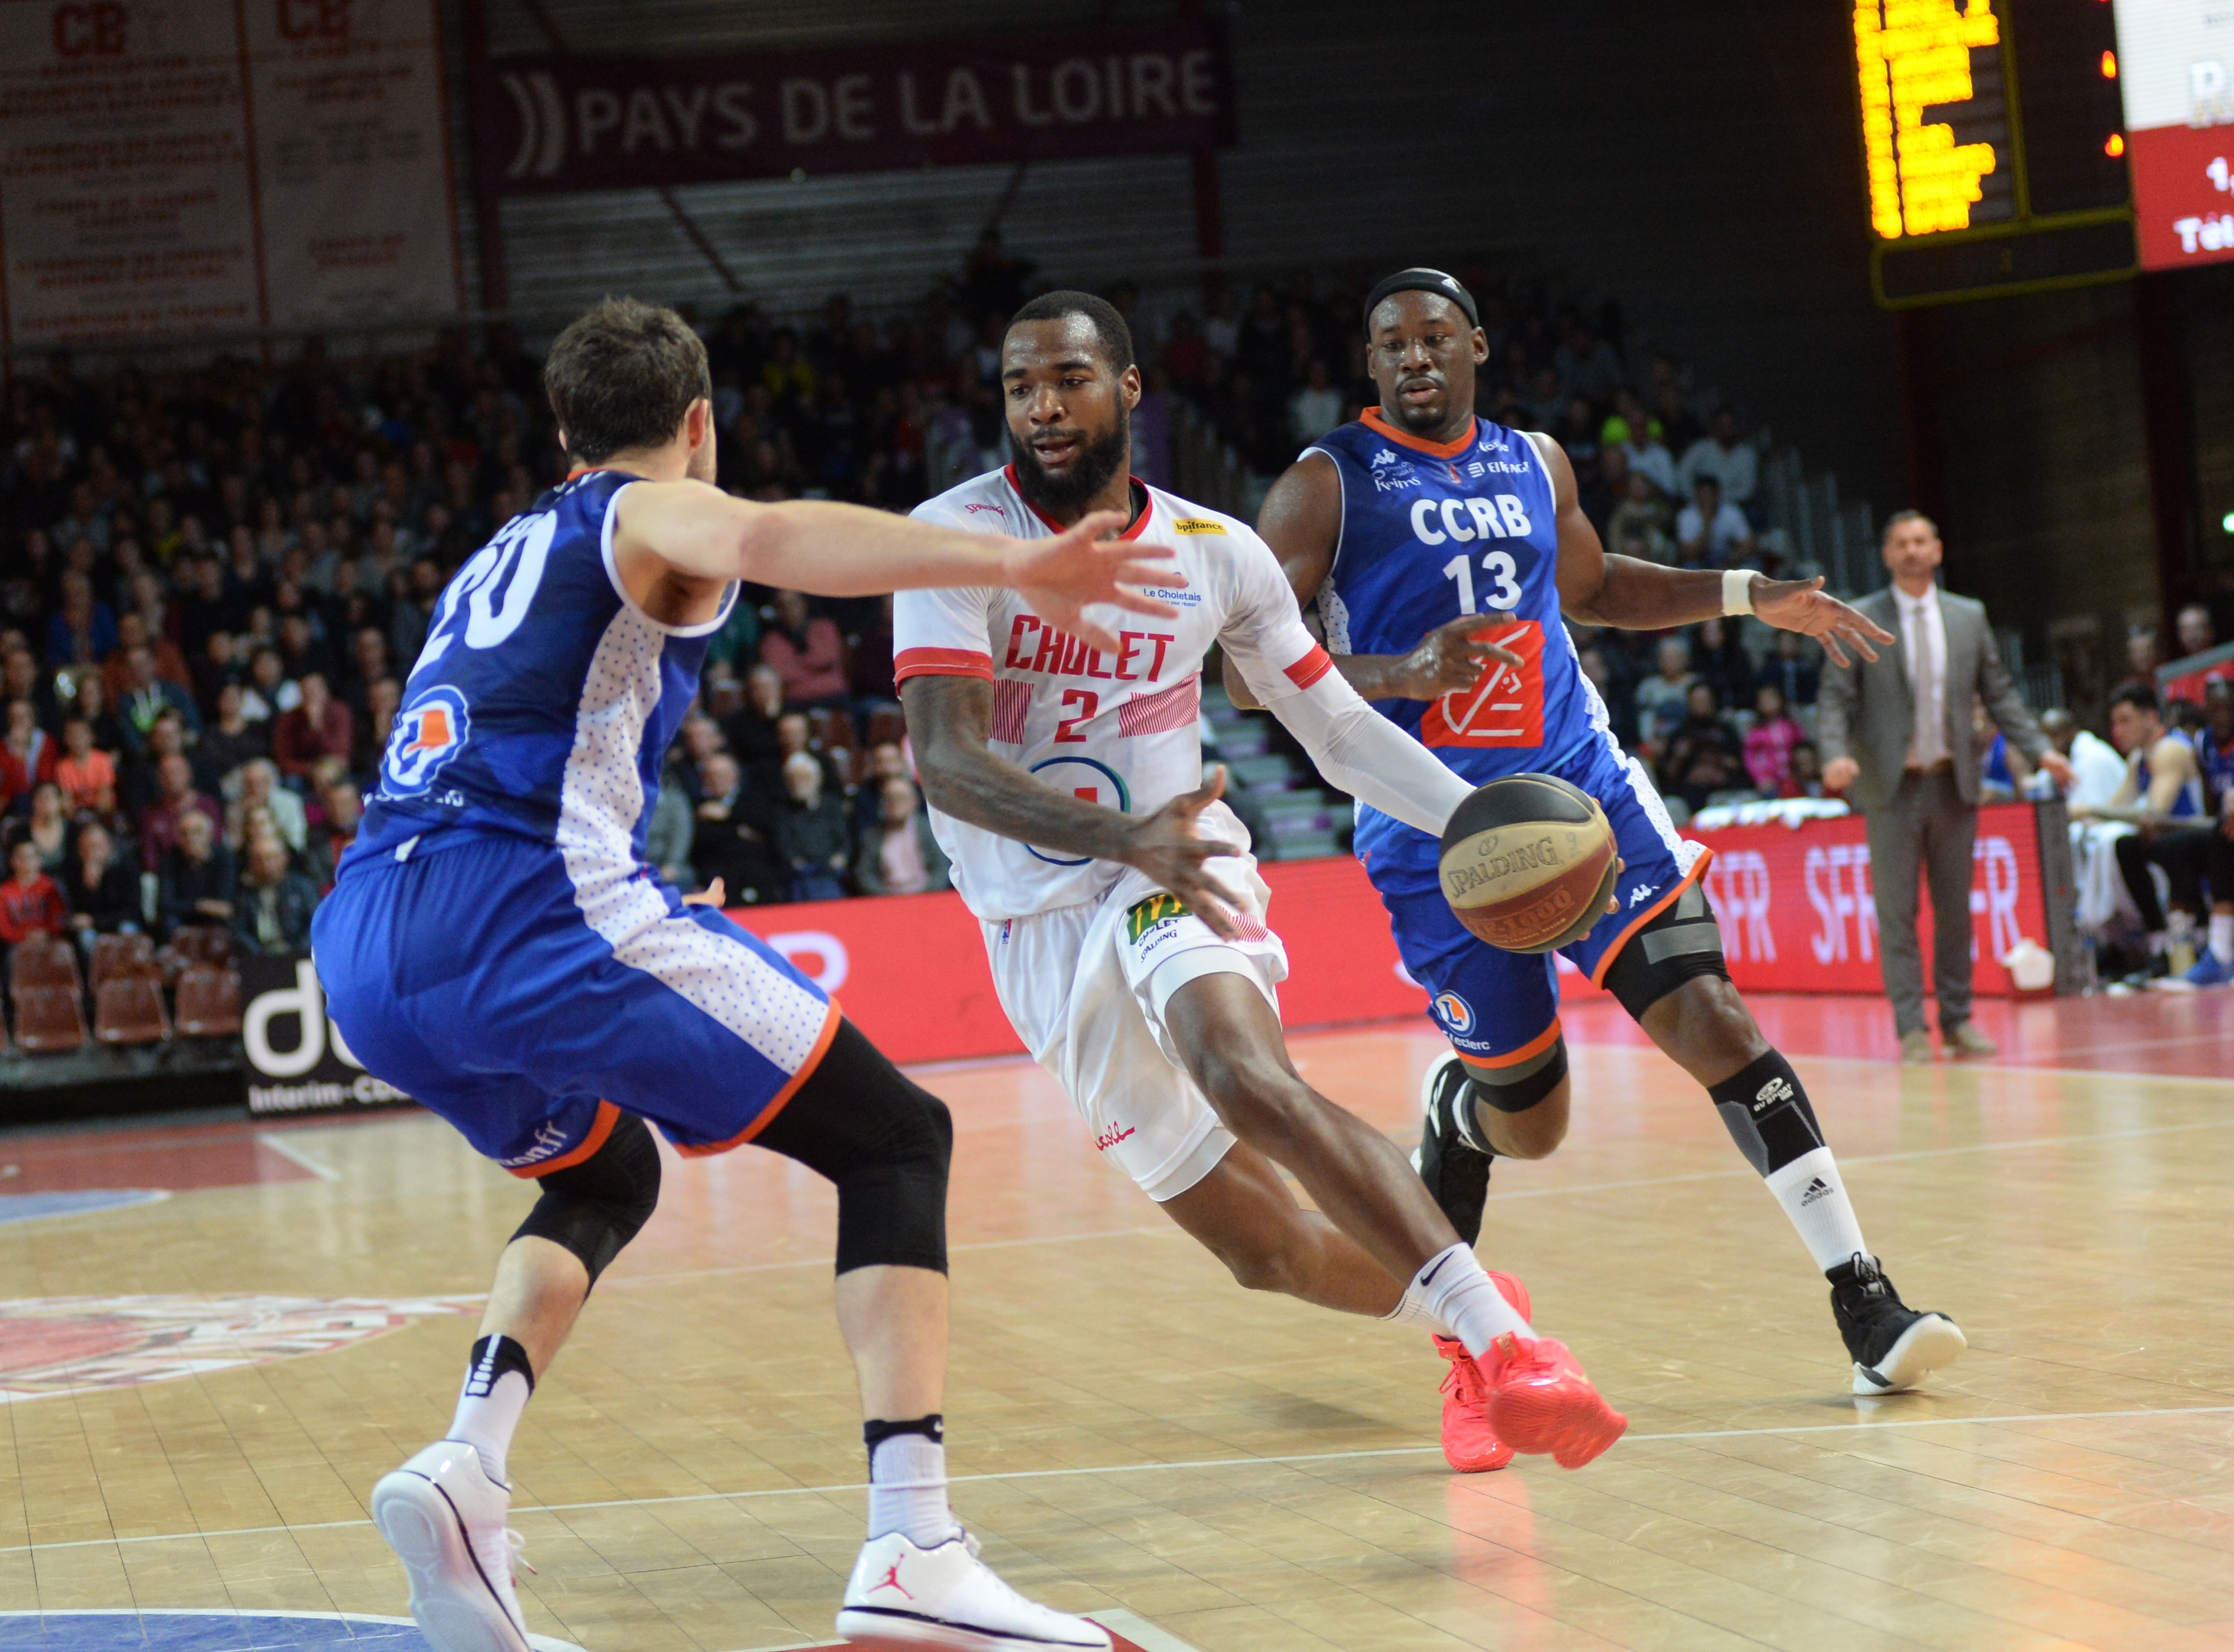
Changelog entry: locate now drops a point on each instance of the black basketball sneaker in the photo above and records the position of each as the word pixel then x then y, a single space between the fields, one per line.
pixel 1454 1158
pixel 1893 1345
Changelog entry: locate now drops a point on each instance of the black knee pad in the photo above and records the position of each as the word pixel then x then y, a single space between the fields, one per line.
pixel 1767 1112
pixel 1680 943
pixel 885 1142
pixel 1521 1085
pixel 597 1206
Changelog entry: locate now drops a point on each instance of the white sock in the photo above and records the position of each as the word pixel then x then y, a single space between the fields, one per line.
pixel 907 1490
pixel 1411 1309
pixel 2222 937
pixel 486 1419
pixel 1815 1198
pixel 1455 1291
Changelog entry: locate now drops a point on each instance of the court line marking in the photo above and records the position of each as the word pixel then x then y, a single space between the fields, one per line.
pixel 293 1155
pixel 2136 1414
pixel 539 1643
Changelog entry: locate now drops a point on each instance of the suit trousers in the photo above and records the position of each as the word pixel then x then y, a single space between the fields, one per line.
pixel 1926 828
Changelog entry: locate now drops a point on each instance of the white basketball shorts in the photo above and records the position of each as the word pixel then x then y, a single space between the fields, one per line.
pixel 1085 987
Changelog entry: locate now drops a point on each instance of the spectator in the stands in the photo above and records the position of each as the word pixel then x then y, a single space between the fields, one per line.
pixel 734 837
pixel 150 697
pixel 83 632
pixel 1640 522
pixel 26 756
pixel 1710 530
pixel 751 729
pixel 1771 742
pixel 273 904
pixel 31 903
pixel 1703 755
pixel 898 854
pixel 267 692
pixel 1661 697
pixel 319 726
pixel 341 810
pixel 1719 659
pixel 381 701
pixel 885 761
pixel 196 877
pixel 83 772
pixel 810 831
pixel 1721 455
pixel 1807 770
pixel 48 825
pixel 2097 769
pixel 261 794
pixel 1316 406
pixel 2196 632
pixel 229 739
pixel 158 821
pixel 1792 666
pixel 806 652
pixel 667 837
pixel 102 886
pixel 2142 656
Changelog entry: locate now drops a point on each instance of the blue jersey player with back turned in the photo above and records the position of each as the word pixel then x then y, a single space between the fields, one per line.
pixel 1441 550
pixel 496 946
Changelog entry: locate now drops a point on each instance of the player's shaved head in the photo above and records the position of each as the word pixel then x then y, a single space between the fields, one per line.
pixel 1422 350
pixel 1110 332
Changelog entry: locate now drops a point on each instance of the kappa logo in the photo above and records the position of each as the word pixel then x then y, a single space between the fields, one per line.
pixel 1817 1189
pixel 1638 897
pixel 1384 457
pixel 1770 1094
pixel 1454 1012
pixel 428 733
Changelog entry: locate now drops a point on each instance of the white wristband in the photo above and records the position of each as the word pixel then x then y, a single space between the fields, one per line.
pixel 1737 589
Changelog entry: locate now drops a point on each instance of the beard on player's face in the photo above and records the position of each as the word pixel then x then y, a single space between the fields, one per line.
pixel 1430 412
pixel 1093 464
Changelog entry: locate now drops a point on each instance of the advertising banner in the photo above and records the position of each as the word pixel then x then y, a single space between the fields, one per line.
pixel 176 167
pixel 555 123
pixel 2175 70
pixel 1795 908
pixel 296 1061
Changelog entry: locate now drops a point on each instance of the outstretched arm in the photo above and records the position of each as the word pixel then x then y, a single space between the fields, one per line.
pixel 950 719
pixel 1636 596
pixel 689 533
pixel 1369 757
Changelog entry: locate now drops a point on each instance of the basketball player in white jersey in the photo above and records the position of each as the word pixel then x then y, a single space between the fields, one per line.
pixel 1120 907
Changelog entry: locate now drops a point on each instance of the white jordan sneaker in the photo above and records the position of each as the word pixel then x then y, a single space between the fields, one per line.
pixel 445 1519
pixel 905 1598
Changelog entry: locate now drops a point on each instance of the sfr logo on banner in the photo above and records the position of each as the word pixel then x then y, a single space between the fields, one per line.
pixel 297 1062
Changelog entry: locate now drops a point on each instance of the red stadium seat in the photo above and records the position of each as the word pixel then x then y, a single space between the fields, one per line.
pixel 115 954
pixel 209 1002
pixel 44 961
pixel 50 1021
pixel 128 1009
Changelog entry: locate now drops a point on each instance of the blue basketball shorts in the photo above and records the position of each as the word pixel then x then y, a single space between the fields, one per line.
pixel 1498 1007
pixel 531 999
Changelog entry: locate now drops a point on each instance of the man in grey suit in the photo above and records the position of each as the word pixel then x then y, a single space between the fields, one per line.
pixel 1896 730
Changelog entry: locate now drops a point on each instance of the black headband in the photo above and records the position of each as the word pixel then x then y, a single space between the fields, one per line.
pixel 1419 280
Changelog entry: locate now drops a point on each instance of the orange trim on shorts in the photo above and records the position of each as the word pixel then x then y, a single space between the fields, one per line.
pixel 767 1113
pixel 1698 866
pixel 1534 1046
pixel 608 1116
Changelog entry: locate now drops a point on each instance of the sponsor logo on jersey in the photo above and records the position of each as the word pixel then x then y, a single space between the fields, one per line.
pixel 1197 525
pixel 1501 516
pixel 428 733
pixel 549 1142
pixel 1505 707
pixel 1036 646
pixel 1638 897
pixel 1176 598
pixel 997 510
pixel 1480 467
pixel 1157 909
pixel 1109 1138
pixel 1453 1012
pixel 1389 473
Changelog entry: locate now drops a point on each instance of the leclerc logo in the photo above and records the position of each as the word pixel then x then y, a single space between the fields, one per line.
pixel 1453 1012
pixel 429 732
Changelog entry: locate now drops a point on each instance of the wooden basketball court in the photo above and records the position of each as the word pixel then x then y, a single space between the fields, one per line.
pixel 203 1386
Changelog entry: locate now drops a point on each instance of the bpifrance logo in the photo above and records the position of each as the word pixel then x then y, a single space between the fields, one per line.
pixel 1453 1012
pixel 429 732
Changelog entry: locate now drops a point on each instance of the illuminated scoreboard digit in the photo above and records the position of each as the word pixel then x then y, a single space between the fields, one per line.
pixel 1991 140
pixel 1935 118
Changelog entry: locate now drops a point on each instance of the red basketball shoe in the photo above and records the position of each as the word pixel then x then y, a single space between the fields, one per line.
pixel 1539 1400
pixel 1470 1444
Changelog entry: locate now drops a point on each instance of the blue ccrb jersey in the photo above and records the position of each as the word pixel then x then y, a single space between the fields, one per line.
pixel 1431 530
pixel 544 700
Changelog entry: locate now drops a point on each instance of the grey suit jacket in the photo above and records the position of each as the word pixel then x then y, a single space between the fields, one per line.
pixel 1864 710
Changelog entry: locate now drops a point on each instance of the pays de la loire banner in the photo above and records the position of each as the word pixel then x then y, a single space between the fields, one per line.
pixel 552 123
pixel 1795 908
pixel 170 168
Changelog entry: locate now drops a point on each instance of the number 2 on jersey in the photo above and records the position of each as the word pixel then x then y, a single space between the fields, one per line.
pixel 526 541
pixel 1088 702
pixel 1504 590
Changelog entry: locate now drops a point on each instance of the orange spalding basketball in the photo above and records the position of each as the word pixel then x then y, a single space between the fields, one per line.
pixel 1529 862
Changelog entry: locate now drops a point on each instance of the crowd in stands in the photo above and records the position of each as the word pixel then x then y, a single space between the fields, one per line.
pixel 213 582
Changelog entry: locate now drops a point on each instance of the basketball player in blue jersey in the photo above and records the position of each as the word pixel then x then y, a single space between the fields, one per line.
pixel 496 946
pixel 1441 550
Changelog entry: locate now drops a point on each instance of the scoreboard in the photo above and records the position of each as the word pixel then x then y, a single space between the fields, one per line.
pixel 1994 141
pixel 2176 67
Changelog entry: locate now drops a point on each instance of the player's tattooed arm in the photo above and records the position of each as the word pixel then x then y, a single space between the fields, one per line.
pixel 1633 595
pixel 1301 521
pixel 950 719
